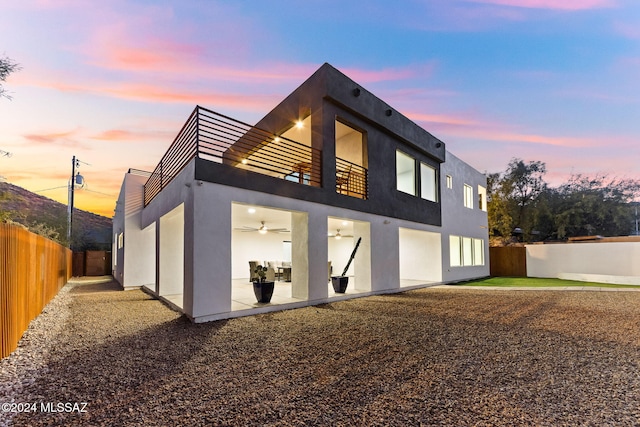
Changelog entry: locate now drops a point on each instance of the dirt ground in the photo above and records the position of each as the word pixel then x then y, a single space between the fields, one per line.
pixel 459 357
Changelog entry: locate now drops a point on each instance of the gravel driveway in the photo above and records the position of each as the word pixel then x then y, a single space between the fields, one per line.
pixel 428 357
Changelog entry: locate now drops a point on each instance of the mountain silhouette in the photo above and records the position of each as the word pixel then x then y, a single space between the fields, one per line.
pixel 48 217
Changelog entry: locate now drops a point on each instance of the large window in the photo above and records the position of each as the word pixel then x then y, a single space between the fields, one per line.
pixel 478 252
pixel 405 173
pixel 351 161
pixel 428 182
pixel 455 256
pixel 482 198
pixel 465 251
pixel 468 196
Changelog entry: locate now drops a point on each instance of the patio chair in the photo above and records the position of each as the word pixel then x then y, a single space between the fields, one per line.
pixel 342 180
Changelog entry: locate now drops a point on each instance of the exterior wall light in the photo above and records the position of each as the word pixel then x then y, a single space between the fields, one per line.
pixel 356 92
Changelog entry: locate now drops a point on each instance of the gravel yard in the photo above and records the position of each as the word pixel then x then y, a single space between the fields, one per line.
pixel 427 357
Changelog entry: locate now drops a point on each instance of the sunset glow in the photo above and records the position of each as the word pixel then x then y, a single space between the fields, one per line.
pixel 113 82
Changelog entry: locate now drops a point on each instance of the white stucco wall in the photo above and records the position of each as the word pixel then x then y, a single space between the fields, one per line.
pixel 458 220
pixel 135 261
pixel 171 252
pixel 420 255
pixel 608 262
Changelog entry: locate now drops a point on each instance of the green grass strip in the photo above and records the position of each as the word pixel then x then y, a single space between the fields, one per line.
pixel 538 282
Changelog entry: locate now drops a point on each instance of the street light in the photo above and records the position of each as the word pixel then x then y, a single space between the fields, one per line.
pixel 75 180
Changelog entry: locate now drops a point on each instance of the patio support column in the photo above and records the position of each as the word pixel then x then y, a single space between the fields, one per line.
pixel 318 255
pixel 385 268
pixel 207 252
pixel 299 255
pixel 362 261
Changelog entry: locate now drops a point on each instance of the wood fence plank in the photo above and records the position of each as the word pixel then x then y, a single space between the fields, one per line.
pixel 508 261
pixel 32 271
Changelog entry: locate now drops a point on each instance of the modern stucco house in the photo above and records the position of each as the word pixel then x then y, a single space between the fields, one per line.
pixel 330 164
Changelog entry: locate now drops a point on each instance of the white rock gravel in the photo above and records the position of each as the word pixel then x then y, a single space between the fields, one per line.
pixel 427 357
pixel 28 362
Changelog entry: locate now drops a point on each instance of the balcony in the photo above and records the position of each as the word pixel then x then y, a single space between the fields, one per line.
pixel 220 139
pixel 351 179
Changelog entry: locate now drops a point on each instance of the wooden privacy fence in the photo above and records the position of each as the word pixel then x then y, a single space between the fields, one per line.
pixel 32 271
pixel 508 261
pixel 91 263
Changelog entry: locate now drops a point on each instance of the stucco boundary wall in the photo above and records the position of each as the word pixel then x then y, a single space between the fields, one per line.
pixel 602 262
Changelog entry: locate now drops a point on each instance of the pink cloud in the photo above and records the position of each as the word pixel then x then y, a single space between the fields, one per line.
pixel 128 135
pixel 387 74
pixel 442 119
pixel 505 135
pixel 552 4
pixel 477 128
pixel 157 57
pixel 158 92
pixel 540 139
pixel 68 138
pixel 266 77
pixel 631 31
pixel 167 57
pixel 161 93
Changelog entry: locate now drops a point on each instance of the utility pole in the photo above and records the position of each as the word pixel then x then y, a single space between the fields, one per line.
pixel 70 201
pixel 76 179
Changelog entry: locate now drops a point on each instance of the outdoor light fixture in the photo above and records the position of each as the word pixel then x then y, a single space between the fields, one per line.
pixel 276 139
pixel 251 210
pixel 356 92
pixel 388 112
pixel 299 124
pixel 244 161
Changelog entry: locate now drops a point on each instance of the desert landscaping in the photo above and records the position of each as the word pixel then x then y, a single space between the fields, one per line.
pixel 436 356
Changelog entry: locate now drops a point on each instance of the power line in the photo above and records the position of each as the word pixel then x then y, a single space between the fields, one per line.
pixel 93 191
pixel 47 189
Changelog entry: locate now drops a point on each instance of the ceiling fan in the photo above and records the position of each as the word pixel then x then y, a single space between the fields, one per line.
pixel 263 229
pixel 339 236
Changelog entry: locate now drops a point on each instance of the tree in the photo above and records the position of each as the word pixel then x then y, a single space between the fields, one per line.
pixel 499 216
pixel 512 197
pixel 7 66
pixel 519 200
pixel 597 205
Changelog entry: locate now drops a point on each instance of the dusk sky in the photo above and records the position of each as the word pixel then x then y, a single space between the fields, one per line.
pixel 112 82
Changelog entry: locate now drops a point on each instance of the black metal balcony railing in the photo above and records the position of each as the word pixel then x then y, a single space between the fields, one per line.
pixel 221 139
pixel 351 179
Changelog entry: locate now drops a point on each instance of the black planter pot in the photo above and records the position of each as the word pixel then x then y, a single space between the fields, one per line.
pixel 263 291
pixel 339 284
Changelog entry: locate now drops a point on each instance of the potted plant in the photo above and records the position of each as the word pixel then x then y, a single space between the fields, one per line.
pixel 340 283
pixel 262 289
